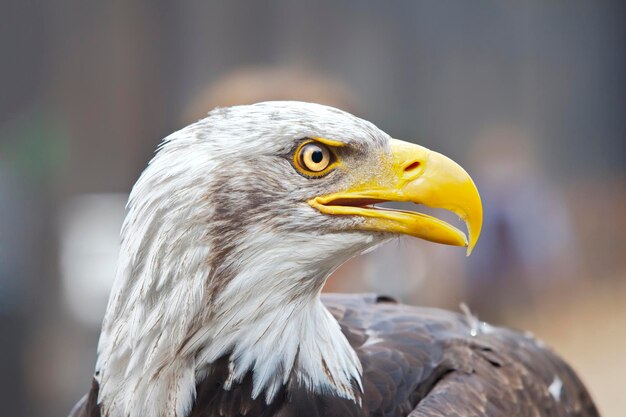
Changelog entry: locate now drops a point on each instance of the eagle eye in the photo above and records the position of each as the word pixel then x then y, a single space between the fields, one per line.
pixel 313 159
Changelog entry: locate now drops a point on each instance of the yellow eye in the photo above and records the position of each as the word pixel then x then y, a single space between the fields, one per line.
pixel 314 157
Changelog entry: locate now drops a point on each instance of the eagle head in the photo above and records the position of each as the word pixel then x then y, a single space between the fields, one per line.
pixel 231 232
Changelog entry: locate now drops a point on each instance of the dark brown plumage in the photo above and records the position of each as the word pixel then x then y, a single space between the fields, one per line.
pixel 416 362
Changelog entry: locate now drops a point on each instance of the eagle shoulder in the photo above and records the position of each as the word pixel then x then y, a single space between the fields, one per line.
pixel 429 362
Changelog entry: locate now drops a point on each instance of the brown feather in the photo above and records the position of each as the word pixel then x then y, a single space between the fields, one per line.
pixel 417 362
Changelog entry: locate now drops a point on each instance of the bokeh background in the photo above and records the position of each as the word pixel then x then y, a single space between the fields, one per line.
pixel 530 96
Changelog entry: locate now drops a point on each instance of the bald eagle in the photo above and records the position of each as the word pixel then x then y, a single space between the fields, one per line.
pixel 231 233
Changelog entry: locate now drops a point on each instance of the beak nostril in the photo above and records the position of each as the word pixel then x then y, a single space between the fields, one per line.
pixel 412 167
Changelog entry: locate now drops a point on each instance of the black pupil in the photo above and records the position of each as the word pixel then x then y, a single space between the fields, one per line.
pixel 317 156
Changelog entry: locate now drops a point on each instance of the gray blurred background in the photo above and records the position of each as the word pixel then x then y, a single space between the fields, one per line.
pixel 530 96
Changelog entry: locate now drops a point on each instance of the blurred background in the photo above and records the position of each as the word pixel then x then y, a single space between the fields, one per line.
pixel 529 96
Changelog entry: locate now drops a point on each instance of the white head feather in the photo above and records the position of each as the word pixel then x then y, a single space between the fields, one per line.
pixel 221 255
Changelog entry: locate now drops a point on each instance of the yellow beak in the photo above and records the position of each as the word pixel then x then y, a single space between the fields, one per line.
pixel 414 174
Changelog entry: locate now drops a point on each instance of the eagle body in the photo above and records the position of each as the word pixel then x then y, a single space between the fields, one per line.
pixel 231 233
pixel 416 362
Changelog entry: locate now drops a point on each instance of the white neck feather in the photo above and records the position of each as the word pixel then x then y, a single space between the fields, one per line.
pixel 166 321
pixel 271 318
